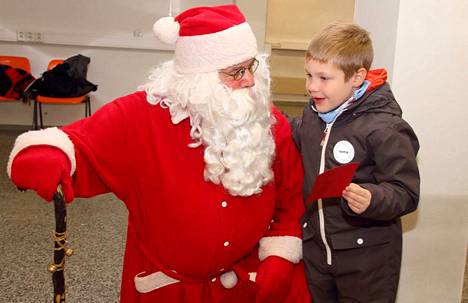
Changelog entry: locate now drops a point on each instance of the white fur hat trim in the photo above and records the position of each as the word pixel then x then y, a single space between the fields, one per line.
pixel 212 52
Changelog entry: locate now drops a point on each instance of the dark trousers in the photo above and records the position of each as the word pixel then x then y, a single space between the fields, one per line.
pixel 365 274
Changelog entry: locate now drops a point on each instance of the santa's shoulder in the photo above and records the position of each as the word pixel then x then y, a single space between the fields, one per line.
pixel 136 99
pixel 134 104
pixel 281 128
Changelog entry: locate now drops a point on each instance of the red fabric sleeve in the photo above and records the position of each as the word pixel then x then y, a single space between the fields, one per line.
pixel 288 179
pixel 103 150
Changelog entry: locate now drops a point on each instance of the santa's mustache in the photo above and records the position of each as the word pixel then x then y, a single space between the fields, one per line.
pixel 239 107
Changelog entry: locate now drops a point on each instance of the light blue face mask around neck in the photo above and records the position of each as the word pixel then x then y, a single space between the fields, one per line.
pixel 330 116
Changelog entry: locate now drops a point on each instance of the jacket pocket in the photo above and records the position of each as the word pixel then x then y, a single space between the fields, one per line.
pixel 359 238
pixel 308 231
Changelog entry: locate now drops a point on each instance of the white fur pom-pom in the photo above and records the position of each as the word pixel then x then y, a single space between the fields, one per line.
pixel 229 279
pixel 167 30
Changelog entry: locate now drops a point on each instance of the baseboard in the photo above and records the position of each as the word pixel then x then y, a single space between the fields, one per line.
pixel 15 127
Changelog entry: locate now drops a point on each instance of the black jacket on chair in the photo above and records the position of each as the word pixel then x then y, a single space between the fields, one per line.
pixel 65 80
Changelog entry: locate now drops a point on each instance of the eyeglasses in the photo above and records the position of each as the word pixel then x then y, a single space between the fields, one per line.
pixel 239 73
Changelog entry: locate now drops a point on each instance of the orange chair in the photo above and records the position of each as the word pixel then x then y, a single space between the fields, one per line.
pixel 16 62
pixel 39 100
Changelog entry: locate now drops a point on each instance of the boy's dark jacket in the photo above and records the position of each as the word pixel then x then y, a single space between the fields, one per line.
pixel 385 147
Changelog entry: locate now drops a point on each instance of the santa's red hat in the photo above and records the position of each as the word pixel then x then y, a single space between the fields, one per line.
pixel 207 38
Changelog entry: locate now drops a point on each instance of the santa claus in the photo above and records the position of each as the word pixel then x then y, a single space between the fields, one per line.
pixel 204 164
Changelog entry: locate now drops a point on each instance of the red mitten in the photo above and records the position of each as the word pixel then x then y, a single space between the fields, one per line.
pixel 274 276
pixel 42 168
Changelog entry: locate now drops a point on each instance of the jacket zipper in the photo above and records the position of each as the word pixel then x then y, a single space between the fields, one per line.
pixel 323 143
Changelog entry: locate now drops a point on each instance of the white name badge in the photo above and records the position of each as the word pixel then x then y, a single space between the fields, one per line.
pixel 343 152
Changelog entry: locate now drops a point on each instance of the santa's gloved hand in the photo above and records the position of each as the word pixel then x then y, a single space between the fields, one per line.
pixel 42 168
pixel 274 277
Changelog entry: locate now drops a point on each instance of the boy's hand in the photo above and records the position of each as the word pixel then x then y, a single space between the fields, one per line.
pixel 358 198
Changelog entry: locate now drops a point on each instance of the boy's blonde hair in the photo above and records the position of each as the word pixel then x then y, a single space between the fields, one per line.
pixel 346 45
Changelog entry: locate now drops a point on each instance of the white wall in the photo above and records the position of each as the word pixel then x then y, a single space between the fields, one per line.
pixel 426 43
pixel 256 14
pixel 381 19
pixel 100 22
pixel 116 71
pixel 431 76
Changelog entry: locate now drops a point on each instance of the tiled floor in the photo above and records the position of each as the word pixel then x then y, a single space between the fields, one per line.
pixel 97 234
pixel 96 231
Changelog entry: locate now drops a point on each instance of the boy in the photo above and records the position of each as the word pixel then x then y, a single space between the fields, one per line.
pixel 352 245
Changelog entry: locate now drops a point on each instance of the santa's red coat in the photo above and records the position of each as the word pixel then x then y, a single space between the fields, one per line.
pixel 180 224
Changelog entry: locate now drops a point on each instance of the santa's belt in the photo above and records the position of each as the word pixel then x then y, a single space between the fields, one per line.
pixel 146 283
pixel 156 280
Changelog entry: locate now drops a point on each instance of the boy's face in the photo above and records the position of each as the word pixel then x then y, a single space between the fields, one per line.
pixel 326 85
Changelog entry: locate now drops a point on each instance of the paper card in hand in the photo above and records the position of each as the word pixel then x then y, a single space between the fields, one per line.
pixel 332 182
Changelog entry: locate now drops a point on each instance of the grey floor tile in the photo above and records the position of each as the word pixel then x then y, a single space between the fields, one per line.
pixel 96 232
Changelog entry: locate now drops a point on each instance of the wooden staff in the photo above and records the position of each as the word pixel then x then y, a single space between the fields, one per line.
pixel 60 249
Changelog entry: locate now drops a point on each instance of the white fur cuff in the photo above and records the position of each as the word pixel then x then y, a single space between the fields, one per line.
pixel 49 136
pixel 287 247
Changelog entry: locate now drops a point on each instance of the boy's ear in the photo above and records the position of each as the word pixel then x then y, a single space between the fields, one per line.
pixel 359 77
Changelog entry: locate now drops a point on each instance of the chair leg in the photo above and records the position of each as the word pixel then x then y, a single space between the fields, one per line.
pixel 88 106
pixel 40 115
pixel 35 116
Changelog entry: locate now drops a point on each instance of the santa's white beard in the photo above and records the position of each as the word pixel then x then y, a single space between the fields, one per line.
pixel 233 125
pixel 239 146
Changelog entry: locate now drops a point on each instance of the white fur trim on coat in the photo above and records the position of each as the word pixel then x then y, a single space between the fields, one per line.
pixel 144 284
pixel 49 136
pixel 228 279
pixel 212 52
pixel 287 247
